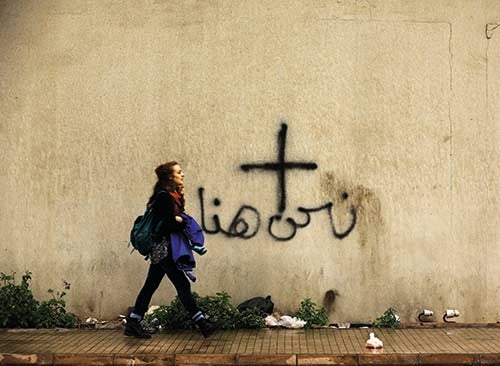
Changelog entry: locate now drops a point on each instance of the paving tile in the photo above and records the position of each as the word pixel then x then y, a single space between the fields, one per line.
pixel 320 360
pixel 144 360
pixel 205 359
pixel 489 359
pixel 388 359
pixel 26 359
pixel 283 359
pixel 83 359
pixel 448 359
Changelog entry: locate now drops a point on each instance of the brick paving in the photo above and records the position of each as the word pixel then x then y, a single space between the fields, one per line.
pixel 478 345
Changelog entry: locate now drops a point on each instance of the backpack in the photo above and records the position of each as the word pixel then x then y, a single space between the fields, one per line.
pixel 264 305
pixel 143 233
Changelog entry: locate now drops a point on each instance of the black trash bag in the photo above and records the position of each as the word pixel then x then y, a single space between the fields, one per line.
pixel 264 305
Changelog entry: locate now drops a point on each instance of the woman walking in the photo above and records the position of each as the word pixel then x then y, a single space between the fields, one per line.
pixel 168 203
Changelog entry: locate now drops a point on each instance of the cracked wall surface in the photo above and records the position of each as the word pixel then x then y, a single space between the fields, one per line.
pixel 388 109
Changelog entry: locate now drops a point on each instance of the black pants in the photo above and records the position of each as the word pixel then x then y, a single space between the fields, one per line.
pixel 153 280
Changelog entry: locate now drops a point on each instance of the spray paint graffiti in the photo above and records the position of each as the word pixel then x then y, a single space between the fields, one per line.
pixel 246 223
pixel 280 166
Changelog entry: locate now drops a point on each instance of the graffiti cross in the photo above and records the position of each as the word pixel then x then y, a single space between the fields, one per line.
pixel 280 166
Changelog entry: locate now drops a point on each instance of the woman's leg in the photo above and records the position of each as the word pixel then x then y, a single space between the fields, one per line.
pixel 133 326
pixel 183 287
pixel 181 284
pixel 153 280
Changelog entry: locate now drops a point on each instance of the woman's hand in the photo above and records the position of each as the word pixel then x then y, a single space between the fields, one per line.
pixel 179 219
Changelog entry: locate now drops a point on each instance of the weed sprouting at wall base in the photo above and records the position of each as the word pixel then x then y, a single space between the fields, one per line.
pixel 390 319
pixel 20 309
pixel 18 303
pixel 312 314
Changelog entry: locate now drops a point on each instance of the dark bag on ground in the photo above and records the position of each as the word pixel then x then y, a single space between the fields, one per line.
pixel 264 305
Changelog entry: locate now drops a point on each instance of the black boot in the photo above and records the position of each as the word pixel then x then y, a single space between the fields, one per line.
pixel 134 328
pixel 206 327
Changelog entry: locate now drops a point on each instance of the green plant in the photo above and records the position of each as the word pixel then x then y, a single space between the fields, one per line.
pixel 312 314
pixel 389 319
pixel 218 307
pixel 20 309
pixel 52 313
pixel 250 318
pixel 19 306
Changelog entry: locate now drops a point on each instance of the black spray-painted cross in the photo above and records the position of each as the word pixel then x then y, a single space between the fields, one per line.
pixel 280 166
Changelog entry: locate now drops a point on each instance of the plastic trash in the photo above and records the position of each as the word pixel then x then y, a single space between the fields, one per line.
pixel 91 321
pixel 374 342
pixel 289 322
pixel 284 321
pixel 271 321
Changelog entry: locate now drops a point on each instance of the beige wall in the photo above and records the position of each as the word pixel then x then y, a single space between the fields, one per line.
pixel 396 102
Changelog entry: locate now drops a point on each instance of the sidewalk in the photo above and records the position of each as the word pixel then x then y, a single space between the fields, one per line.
pixel 450 345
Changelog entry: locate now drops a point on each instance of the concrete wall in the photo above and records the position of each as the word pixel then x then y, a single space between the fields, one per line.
pixel 390 109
